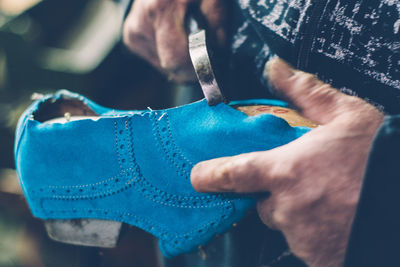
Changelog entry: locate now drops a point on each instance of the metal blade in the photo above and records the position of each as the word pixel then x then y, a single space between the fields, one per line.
pixel 202 64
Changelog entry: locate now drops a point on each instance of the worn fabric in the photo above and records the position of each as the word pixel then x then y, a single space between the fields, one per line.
pixel 352 44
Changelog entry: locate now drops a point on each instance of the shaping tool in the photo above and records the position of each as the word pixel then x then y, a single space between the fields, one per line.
pixel 200 55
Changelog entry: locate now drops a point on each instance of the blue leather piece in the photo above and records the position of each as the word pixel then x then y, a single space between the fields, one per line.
pixel 134 166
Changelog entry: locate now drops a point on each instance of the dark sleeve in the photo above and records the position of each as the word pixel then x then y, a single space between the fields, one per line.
pixel 375 237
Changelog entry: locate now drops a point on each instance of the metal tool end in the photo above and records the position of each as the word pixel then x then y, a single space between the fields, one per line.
pixel 202 64
pixel 84 232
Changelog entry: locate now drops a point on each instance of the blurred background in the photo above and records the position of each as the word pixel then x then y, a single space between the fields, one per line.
pixel 75 45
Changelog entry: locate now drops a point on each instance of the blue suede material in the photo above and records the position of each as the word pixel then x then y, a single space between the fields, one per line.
pixel 134 166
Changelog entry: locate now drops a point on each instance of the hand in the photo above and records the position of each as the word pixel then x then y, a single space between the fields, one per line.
pixel 314 181
pixel 155 30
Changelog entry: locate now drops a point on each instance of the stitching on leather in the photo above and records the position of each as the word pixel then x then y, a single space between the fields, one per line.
pixel 124 155
pixel 116 144
pixel 143 187
pixel 93 184
pixel 164 194
pixel 122 170
pixel 212 224
pixel 148 191
pixel 138 186
pixel 137 179
pixel 184 202
pixel 129 136
pixel 170 135
pixel 94 195
pixel 173 141
pixel 167 152
pixel 159 139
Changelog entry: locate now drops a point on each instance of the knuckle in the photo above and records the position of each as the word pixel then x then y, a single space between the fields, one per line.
pixel 282 172
pixel 362 105
pixel 160 6
pixel 135 40
pixel 154 5
pixel 322 94
pixel 173 62
pixel 279 218
pixel 288 174
pixel 356 107
pixel 304 79
pixel 232 175
pixel 151 13
pixel 278 175
pixel 223 175
pixel 155 9
pixel 133 33
pixel 354 102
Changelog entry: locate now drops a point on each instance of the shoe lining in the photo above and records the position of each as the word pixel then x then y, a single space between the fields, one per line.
pixel 63 110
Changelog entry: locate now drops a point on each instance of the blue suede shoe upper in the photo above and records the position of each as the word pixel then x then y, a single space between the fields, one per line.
pixel 134 166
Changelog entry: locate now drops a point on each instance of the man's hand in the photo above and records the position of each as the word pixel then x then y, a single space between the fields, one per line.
pixel 314 181
pixel 155 30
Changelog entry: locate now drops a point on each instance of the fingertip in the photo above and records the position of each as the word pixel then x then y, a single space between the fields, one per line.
pixel 197 176
pixel 212 175
pixel 194 174
pixel 228 174
pixel 277 70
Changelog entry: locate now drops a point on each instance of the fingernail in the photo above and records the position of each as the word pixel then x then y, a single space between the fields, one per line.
pixel 266 75
pixel 277 68
pixel 267 65
pixel 196 168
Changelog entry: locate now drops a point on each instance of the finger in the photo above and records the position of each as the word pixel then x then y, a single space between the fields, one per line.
pixel 251 172
pixel 142 46
pixel 172 43
pixel 216 14
pixel 316 100
pixel 138 33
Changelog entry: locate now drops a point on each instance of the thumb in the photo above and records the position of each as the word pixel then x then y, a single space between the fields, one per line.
pixel 316 100
pixel 250 172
